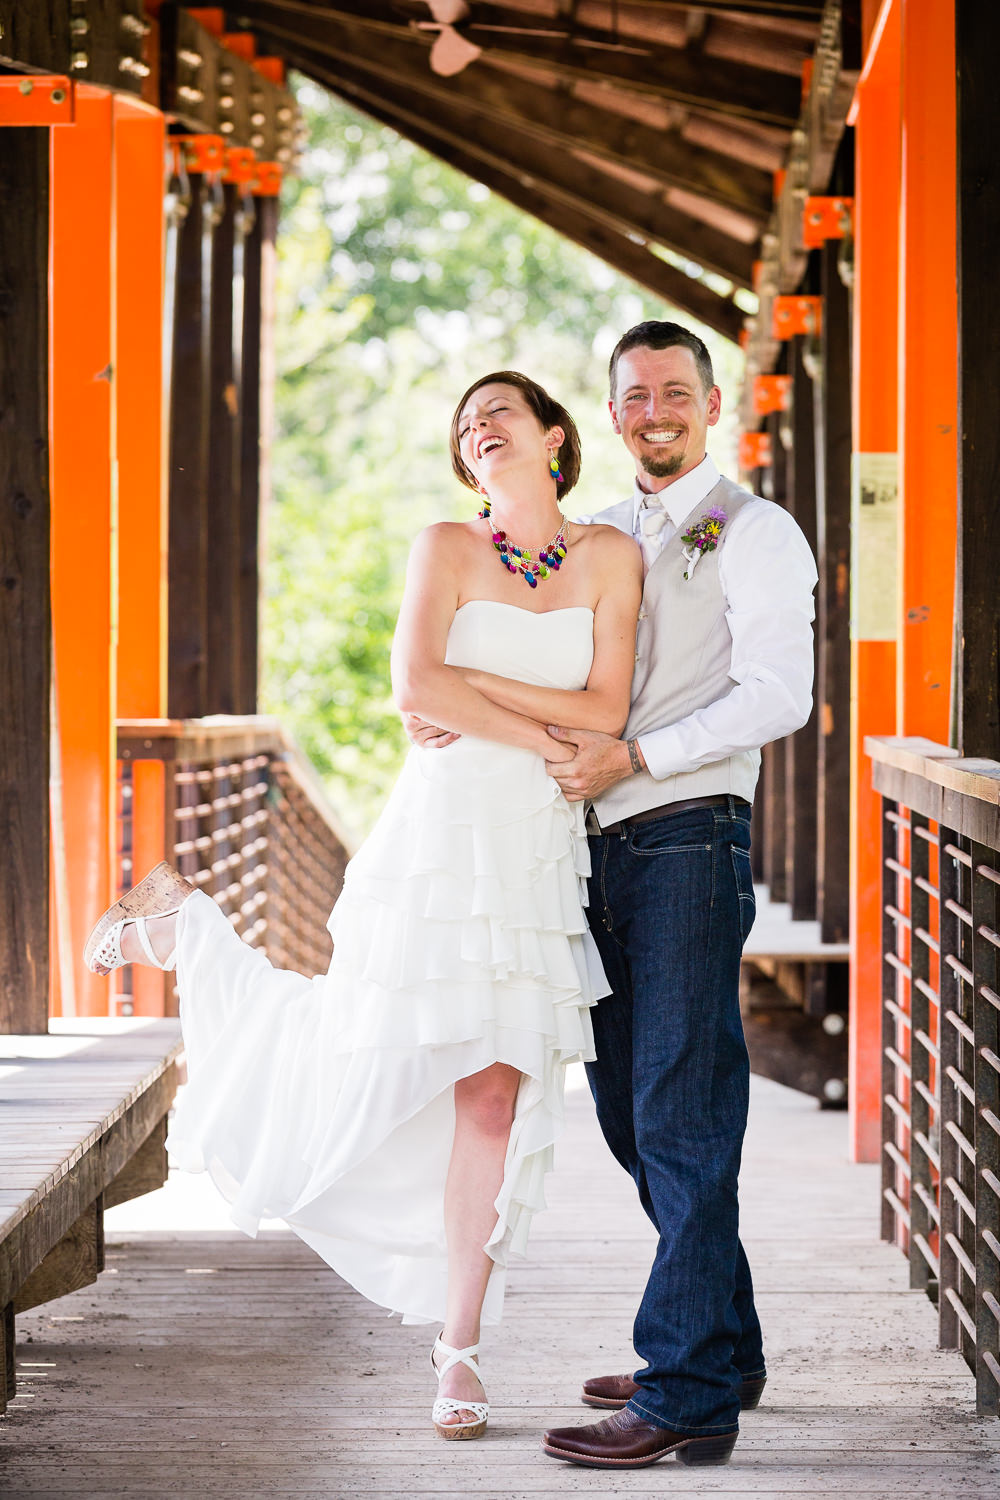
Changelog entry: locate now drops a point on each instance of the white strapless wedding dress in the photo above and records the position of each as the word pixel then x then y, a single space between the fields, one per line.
pixel 459 941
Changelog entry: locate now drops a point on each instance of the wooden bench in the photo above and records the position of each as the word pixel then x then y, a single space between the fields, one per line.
pixel 83 1121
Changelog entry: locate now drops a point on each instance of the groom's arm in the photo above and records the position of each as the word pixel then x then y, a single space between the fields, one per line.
pixel 768 577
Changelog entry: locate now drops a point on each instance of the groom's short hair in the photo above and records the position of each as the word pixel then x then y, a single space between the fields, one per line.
pixel 654 335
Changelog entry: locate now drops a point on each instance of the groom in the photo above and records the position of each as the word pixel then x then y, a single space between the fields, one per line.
pixel 723 666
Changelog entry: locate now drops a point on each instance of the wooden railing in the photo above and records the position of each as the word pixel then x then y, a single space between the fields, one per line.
pixel 245 818
pixel 941 1037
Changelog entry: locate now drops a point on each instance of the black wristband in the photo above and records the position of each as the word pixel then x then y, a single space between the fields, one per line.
pixel 633 755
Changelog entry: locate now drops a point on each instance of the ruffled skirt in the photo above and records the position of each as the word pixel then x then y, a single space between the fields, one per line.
pixel 459 941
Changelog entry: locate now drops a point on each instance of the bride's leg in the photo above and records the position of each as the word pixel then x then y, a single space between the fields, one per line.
pixel 484 1113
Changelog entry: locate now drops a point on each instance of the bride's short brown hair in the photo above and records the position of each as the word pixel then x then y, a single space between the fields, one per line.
pixel 549 413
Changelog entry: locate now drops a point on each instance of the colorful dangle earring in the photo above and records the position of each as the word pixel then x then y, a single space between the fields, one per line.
pixel 554 469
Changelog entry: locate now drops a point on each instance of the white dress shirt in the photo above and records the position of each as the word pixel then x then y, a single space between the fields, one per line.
pixel 768 575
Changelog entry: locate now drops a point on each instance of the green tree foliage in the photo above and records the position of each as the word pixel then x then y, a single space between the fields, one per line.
pixel 400 281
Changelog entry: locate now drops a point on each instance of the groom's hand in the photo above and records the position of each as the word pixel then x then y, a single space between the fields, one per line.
pixel 600 761
pixel 428 736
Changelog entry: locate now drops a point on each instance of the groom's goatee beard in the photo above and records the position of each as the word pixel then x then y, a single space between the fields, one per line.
pixel 663 468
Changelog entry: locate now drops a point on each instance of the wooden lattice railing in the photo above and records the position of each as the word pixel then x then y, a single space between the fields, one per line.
pixel 246 819
pixel 941 1037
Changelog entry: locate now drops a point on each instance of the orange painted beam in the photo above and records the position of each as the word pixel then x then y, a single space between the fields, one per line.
pixel 140 144
pixel 873 674
pixel 84 514
pixel 928 369
pixel 869 16
pixel 139 239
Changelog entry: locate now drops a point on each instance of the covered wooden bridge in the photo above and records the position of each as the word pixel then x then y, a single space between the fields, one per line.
pixel 813 179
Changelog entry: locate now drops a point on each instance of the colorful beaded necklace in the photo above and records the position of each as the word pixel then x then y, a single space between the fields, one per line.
pixel 522 559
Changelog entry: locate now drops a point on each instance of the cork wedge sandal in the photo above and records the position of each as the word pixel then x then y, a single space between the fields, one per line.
pixel 446 1406
pixel 161 894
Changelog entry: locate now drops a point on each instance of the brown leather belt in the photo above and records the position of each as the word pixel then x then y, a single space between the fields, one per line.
pixel 667 810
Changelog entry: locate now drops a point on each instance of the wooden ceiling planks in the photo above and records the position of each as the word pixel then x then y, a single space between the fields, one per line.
pixel 558 122
pixel 713 83
pixel 564 178
pixel 621 251
pixel 641 128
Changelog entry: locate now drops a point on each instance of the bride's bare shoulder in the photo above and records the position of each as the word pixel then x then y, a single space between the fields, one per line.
pixel 444 536
pixel 614 544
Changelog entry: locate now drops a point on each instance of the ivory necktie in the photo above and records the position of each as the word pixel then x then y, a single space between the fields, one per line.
pixel 652 519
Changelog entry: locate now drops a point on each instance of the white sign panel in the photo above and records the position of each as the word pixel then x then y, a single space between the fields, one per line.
pixel 874 546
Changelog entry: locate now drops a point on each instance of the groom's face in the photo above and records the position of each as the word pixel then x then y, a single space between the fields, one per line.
pixel 662 412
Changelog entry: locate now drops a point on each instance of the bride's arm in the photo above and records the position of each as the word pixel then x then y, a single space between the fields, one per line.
pixel 604 703
pixel 421 683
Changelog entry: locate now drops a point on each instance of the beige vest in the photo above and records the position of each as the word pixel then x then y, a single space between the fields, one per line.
pixel 683 655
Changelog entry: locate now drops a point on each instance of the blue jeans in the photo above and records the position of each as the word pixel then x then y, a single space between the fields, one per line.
pixel 671 903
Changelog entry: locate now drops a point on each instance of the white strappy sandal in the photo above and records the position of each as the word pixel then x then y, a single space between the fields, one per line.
pixel 161 894
pixel 445 1406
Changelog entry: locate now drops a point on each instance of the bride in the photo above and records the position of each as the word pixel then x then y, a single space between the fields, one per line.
pixel 399 1111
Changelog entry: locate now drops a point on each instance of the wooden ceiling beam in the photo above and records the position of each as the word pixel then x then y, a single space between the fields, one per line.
pixel 555 119
pixel 772 10
pixel 561 176
pixel 617 249
pixel 696 80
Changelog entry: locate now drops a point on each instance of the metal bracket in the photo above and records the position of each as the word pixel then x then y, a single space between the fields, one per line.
pixel 794 315
pixel 771 393
pixel 198 153
pixel 37 99
pixel 267 179
pixel 826 219
pixel 241 165
pixel 755 451
pixel 212 17
pixel 271 68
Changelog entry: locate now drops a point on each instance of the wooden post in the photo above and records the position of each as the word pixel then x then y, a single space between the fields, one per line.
pixel 24 587
pixel 257 397
pixel 922 1125
pixel 833 504
pixel 8 1367
pixel 950 885
pixel 224 456
pixel 802 748
pixel 85 514
pixel 986 1025
pixel 875 114
pixel 976 41
pixel 189 429
pixel 776 791
pixel 890 1038
pixel 758 834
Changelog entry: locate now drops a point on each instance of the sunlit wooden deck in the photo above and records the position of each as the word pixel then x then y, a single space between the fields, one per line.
pixel 203 1364
pixel 775 935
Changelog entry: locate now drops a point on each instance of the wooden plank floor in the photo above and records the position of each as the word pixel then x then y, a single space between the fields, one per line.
pixel 775 934
pixel 203 1364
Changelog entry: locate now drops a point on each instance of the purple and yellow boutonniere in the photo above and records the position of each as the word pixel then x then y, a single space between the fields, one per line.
pixel 702 537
